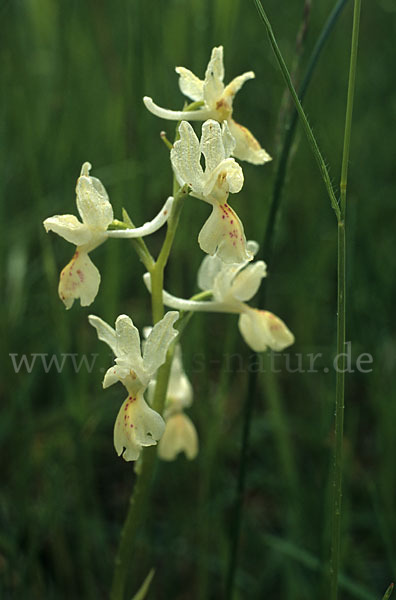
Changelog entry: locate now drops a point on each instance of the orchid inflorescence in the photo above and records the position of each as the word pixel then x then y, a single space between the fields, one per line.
pixel 227 273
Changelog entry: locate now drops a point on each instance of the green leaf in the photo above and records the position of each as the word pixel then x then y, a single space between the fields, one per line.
pixel 388 592
pixel 141 593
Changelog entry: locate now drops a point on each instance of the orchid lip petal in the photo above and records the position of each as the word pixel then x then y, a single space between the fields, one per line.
pixel 223 234
pixel 261 329
pixel 137 426
pixel 179 436
pixel 79 279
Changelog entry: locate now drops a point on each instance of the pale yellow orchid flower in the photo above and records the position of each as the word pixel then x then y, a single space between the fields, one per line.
pixel 80 278
pixel 180 434
pixel 217 101
pixel 223 231
pixel 137 425
pixel 232 286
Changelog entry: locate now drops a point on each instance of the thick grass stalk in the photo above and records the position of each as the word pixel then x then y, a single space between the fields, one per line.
pixel 307 128
pixel 341 320
pixel 284 447
pixel 283 161
pixel 339 416
pixel 240 490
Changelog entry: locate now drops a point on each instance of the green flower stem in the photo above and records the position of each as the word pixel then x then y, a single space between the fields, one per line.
pixel 341 320
pixel 186 108
pixel 157 271
pixel 135 517
pixel 308 131
pixel 162 381
pixel 139 499
pixel 167 143
pixel 138 243
pixel 172 224
pixel 194 105
pixel 202 295
pixel 157 285
pixel 140 495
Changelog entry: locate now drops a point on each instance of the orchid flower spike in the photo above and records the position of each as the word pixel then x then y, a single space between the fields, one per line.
pixel 231 286
pixel 180 434
pixel 217 101
pixel 80 278
pixel 223 231
pixel 137 425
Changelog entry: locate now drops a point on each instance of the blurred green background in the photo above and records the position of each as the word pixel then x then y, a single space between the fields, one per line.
pixel 72 76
